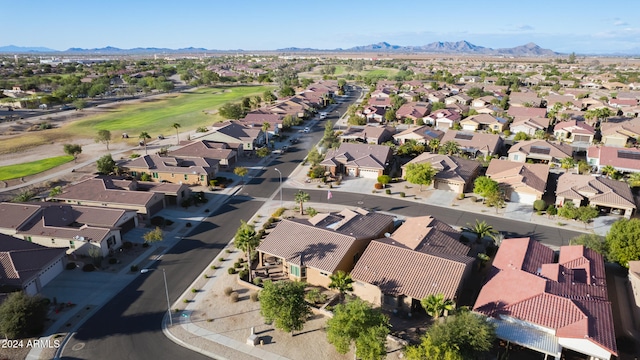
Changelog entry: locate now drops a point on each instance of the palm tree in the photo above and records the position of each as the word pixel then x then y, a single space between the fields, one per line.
pixel 144 136
pixel 301 198
pixel 434 144
pixel 246 240
pixel 567 162
pixel 176 126
pixel 436 304
pixel 450 147
pixel 609 171
pixel 480 229
pixel 342 282
pixel 265 128
pixel 634 179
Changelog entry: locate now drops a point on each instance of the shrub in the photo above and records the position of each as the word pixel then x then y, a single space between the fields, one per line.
pixel 473 198
pixel 244 274
pixel 231 271
pixel 378 186
pixel 237 265
pixel 539 205
pixel 388 191
pixel 507 133
pixel 461 196
pixel 314 296
pixel 71 265
pixel 337 182
pixel 552 210
pixel 257 281
pixel 111 261
pixel 228 251
pixel 312 212
pixel 228 290
pixel 186 301
pixel 241 260
pixel 254 296
pixel 134 268
pixel 278 212
pixel 234 297
pixel 402 194
pixel 88 267
pixel 127 245
pixel 221 259
pixel 194 290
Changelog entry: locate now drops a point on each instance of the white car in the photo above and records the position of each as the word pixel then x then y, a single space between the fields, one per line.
pixel 306 130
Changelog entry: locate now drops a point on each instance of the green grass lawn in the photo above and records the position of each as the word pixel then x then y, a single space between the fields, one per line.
pixel 25 169
pixel 380 73
pixel 339 70
pixel 155 116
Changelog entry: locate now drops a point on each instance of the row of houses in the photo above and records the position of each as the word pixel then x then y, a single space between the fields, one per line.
pixel 534 300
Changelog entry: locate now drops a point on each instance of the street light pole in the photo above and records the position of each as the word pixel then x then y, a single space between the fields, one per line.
pixel 166 291
pixel 280 173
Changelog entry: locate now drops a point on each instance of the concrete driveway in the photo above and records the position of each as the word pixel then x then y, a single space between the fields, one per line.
pixel 517 211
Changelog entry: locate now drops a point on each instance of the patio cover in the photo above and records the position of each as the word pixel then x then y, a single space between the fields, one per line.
pixel 528 337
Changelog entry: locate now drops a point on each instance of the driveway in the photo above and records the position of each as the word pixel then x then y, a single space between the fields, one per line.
pixel 517 211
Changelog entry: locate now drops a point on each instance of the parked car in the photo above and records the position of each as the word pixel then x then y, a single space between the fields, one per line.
pixel 306 130
pixel 160 137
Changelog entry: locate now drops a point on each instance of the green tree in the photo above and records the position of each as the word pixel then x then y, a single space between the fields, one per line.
pixel 342 282
pixel 583 167
pixel 57 190
pixel 521 135
pixel 450 148
pixel 231 111
pixel 484 186
pixel 634 179
pixel 539 205
pixel 438 106
pixel 268 96
pixel 480 229
pixel 609 171
pixel 246 239
pixel 106 164
pixel 435 305
pixel 145 177
pixel 314 157
pixel 351 321
pixel 495 199
pixel 144 136
pixel 263 152
pixel 428 350
pixel 552 210
pixel 420 173
pixel 586 214
pixel 153 235
pixel 568 210
pixel 384 179
pixel 22 315
pixel 24 196
pixel 470 334
pixel 283 304
pixel 390 115
pixel 73 150
pixel 177 127
pixel 434 144
pixel 104 136
pixel 241 171
pixel 623 241
pixel 80 104
pixel 286 91
pixel 594 242
pixel 371 344
pixel 567 163
pixel 265 129
pixel 302 197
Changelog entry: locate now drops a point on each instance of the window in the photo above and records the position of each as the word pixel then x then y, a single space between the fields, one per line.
pixel 134 173
pixel 155 175
pixel 53 241
pixel 186 177
pixel 28 238
pixel 294 270
pixel 516 157
pixel 201 177
pixel 72 245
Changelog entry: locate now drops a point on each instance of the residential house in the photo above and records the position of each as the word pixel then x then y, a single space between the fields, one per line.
pixel 314 249
pixel 437 96
pixel 258 119
pixel 458 99
pixel 359 160
pixel 605 194
pixel 443 119
pixel 623 103
pixel 173 169
pixel 146 198
pixel 577 133
pixel 28 267
pixel 72 227
pixel 421 135
pixel 226 157
pixel 475 144
pixel 482 102
pixel 453 173
pixel 549 306
pixel 483 122
pixel 381 102
pixel 517 111
pixel 374 114
pixel 622 159
pixel 423 257
pixel 368 134
pixel 232 132
pixel 620 132
pixel 528 125
pixel 524 99
pixel 564 100
pixel 521 182
pixel 295 106
pixel 541 151
pixel 413 111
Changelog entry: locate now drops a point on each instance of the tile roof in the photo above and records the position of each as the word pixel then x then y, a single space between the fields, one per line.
pixel 12 215
pixel 526 111
pixel 573 301
pixel 397 270
pixel 172 164
pixel 451 168
pixel 517 175
pixel 21 260
pixel 205 149
pixel 108 190
pixel 424 132
pixel 429 235
pixel 575 126
pixel 478 141
pixel 598 190
pixel 556 151
pixel 237 131
pixel 360 155
pixel 536 122
pixel 608 155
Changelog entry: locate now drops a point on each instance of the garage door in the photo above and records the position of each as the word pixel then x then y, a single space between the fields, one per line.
pixel 523 198
pixel 369 174
pixel 445 185
pixel 469 127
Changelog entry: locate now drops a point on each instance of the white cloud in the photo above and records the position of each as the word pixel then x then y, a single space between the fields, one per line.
pixel 620 22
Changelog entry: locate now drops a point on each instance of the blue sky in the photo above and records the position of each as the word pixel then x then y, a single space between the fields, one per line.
pixel 586 26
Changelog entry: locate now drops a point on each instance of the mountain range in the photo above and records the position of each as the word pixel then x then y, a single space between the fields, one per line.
pixel 459 47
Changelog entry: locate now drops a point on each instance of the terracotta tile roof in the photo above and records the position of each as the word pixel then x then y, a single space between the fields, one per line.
pixel 21 260
pixel 429 235
pixel 527 111
pixel 108 190
pixel 537 122
pixel 449 167
pixel 568 296
pixel 556 151
pixel 414 110
pixel 625 127
pixel 478 142
pixel 360 155
pixel 517 175
pixel 62 222
pixel 205 149
pixel 608 155
pixel 397 270
pixel 576 127
pixel 597 190
pixel 424 133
